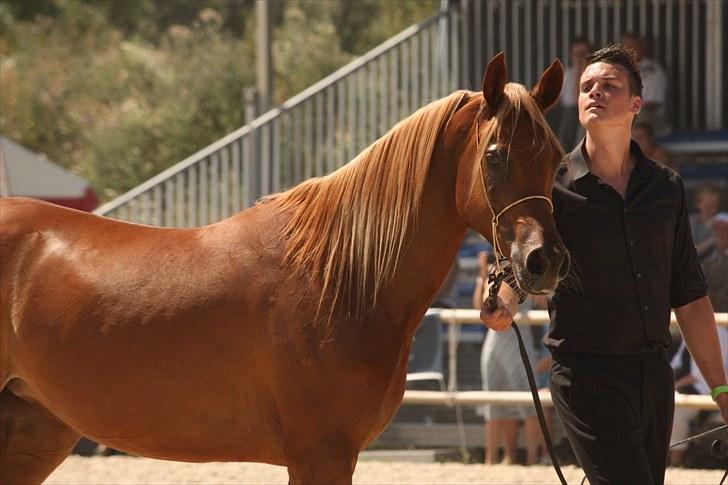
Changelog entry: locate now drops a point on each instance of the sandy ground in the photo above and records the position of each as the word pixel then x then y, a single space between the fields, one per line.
pixel 129 470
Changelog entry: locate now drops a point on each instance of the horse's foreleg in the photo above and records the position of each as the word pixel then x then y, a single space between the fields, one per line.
pixel 314 463
pixel 32 442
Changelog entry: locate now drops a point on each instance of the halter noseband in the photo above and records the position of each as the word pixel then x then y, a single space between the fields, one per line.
pixel 494 221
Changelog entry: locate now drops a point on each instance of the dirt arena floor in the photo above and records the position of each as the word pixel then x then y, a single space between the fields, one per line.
pixel 128 470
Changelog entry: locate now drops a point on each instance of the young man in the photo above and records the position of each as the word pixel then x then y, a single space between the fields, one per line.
pixel 624 220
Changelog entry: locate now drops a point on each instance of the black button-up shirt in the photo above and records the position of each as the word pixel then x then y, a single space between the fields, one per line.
pixel 632 259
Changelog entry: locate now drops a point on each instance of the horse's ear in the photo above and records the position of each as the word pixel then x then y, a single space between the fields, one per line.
pixel 548 88
pixel 494 81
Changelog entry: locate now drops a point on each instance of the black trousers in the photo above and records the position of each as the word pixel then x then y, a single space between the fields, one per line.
pixel 617 412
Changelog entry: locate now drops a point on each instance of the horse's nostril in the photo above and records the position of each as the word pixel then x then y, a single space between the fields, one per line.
pixel 536 262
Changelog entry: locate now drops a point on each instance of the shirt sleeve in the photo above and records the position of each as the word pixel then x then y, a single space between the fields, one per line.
pixel 687 281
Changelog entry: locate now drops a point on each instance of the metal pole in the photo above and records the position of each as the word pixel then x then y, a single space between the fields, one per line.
pixel 263 63
pixel 714 60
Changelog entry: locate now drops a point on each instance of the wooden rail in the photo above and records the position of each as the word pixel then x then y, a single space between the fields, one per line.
pixel 454 318
pixel 520 398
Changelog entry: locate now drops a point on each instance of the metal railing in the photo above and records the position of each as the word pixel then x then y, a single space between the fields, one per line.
pixel 686 37
pixel 456 317
pixel 309 135
pixel 326 125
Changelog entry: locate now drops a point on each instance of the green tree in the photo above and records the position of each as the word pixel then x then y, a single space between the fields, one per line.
pixel 119 90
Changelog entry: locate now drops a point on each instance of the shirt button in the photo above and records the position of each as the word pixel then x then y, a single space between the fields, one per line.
pixel 631 242
pixel 639 275
pixel 647 307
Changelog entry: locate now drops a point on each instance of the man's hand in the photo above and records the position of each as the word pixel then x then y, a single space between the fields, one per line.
pixel 499 319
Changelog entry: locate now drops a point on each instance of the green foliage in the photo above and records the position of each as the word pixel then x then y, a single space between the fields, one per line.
pixel 117 91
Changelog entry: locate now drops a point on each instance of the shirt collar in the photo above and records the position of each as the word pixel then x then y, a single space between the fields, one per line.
pixel 578 166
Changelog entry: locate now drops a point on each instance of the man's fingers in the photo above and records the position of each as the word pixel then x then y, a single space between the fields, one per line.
pixel 498 319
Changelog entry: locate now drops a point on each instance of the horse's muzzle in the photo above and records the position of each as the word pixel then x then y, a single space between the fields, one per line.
pixel 542 268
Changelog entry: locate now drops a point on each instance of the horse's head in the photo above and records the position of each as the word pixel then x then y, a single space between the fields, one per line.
pixel 506 173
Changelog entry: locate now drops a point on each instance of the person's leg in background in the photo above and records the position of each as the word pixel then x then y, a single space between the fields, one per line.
pixel 510 441
pixel 535 444
pixel 680 431
pixel 495 430
pixel 492 438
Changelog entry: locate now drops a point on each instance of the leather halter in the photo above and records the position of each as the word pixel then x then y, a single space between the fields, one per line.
pixel 496 217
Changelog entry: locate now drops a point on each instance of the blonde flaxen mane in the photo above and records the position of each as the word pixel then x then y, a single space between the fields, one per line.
pixel 348 228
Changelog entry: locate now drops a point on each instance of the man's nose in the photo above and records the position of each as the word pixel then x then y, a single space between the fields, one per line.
pixel 596 90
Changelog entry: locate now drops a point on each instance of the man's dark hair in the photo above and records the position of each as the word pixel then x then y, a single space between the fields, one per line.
pixel 621 56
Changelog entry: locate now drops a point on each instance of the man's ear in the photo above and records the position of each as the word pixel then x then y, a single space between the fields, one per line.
pixel 636 105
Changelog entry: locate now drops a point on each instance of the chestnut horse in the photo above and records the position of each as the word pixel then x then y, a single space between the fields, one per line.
pixel 281 334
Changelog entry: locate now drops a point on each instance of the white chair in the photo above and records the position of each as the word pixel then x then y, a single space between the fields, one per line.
pixel 425 360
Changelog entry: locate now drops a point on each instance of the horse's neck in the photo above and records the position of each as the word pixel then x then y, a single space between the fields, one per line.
pixel 430 250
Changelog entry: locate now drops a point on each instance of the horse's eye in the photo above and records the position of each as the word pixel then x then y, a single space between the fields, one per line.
pixel 492 157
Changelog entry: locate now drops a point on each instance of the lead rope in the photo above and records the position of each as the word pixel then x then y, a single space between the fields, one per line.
pixel 497 280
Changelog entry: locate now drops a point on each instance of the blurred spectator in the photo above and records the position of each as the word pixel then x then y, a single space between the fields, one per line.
pixel 502 370
pixel 644 135
pixel 707 203
pixel 566 115
pixel 654 86
pixel 715 268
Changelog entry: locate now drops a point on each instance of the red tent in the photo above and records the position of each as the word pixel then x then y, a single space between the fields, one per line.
pixel 28 174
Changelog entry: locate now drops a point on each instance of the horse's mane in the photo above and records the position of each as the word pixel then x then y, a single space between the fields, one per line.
pixel 348 228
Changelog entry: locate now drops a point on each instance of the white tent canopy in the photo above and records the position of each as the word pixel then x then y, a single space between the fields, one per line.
pixel 25 173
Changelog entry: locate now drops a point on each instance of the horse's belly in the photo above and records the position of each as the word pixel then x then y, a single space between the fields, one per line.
pixel 185 422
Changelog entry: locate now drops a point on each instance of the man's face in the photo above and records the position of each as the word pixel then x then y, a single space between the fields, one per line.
pixel 604 96
pixel 707 202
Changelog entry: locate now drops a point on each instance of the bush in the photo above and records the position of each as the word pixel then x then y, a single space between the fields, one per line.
pixel 118 91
